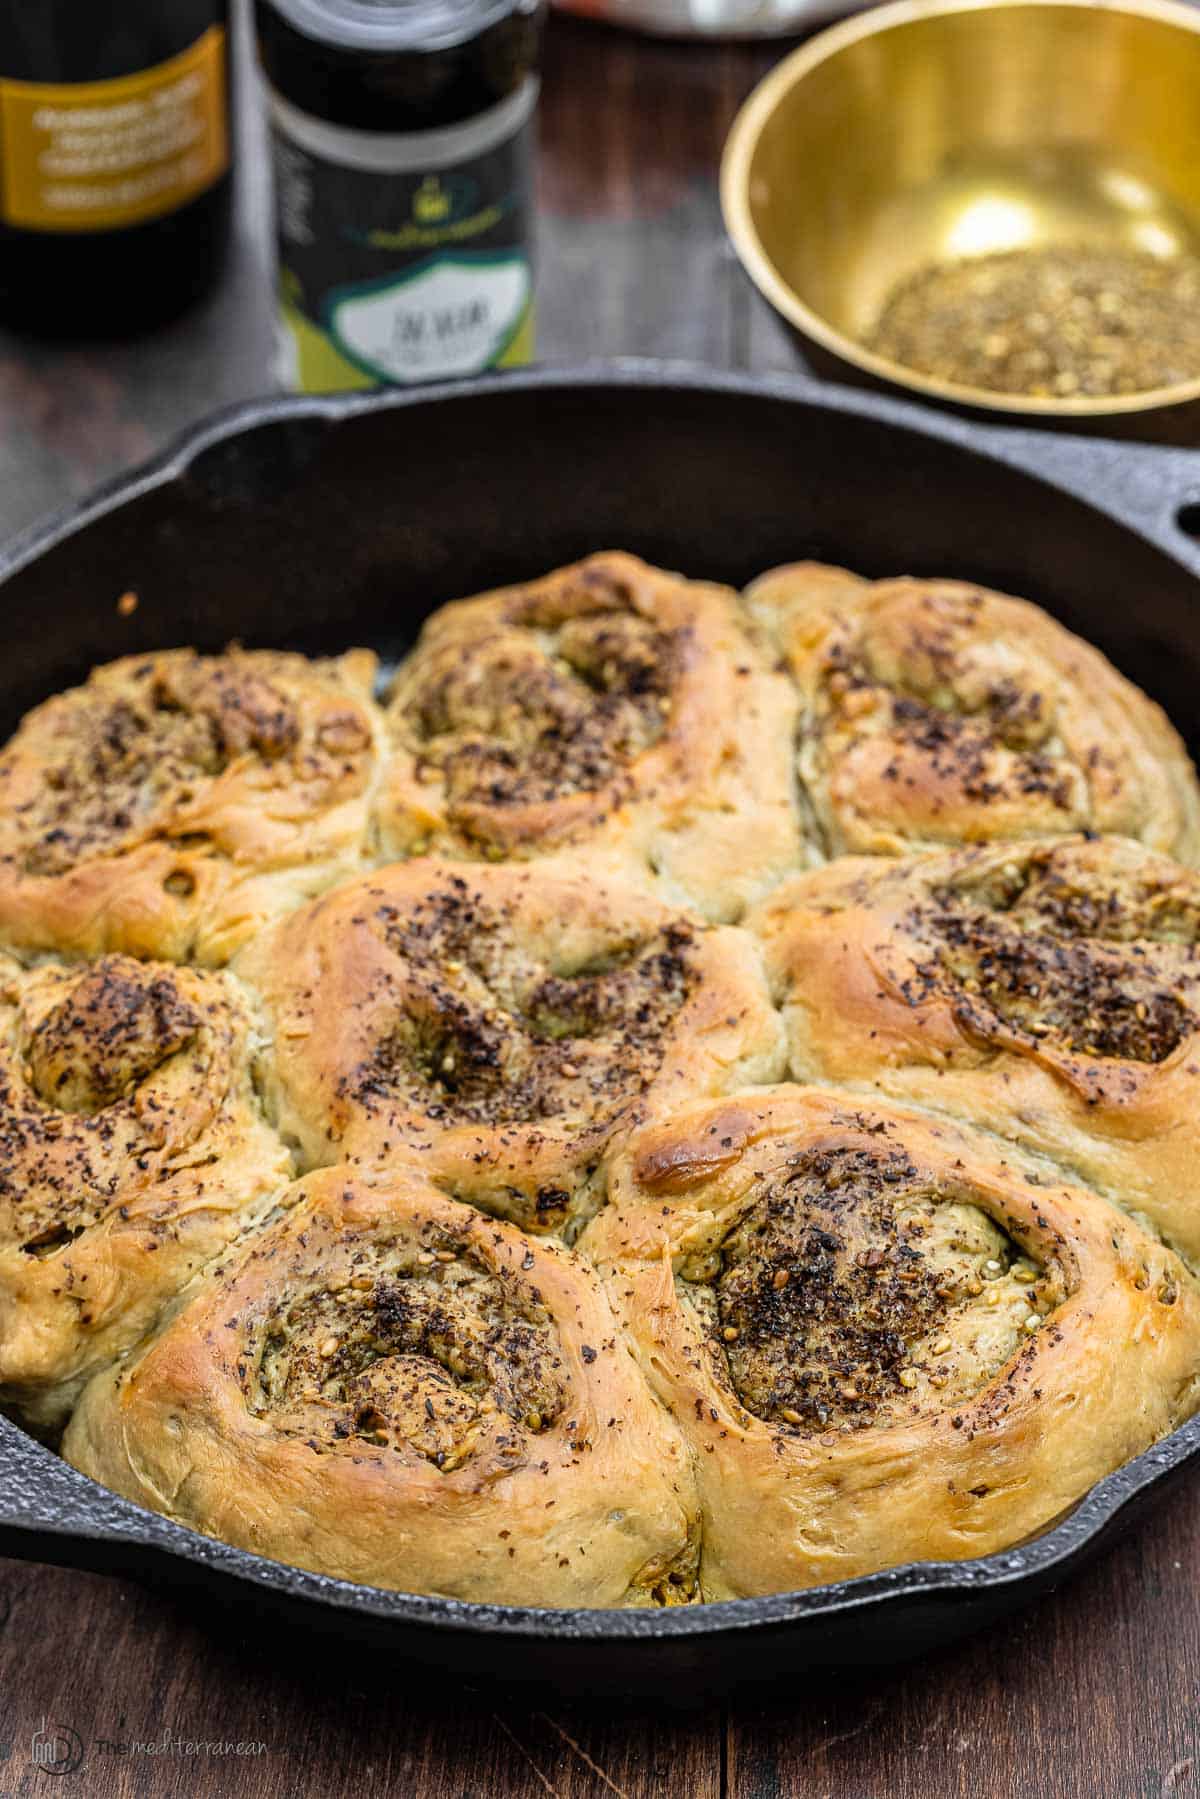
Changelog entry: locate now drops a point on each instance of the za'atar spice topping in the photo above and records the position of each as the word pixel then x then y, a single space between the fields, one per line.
pixel 1053 323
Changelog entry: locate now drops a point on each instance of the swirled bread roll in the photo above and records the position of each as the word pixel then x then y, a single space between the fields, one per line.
pixel 607 704
pixel 132 1149
pixel 175 802
pixel 1050 991
pixel 883 1341
pixel 935 713
pixel 501 1028
pixel 390 1387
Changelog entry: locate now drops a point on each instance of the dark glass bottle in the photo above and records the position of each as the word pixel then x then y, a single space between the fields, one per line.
pixel 114 162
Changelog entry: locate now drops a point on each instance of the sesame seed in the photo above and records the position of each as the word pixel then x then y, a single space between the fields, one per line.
pixel 730 1333
pixel 328 1347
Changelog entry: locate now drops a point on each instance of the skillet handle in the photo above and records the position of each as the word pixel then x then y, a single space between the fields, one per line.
pixel 1154 489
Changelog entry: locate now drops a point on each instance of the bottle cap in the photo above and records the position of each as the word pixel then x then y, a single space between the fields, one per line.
pixel 397 65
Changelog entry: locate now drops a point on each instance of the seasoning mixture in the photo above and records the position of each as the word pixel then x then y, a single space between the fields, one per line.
pixel 1052 323
pixel 853 1293
pixel 495 1035
pixel 408 1347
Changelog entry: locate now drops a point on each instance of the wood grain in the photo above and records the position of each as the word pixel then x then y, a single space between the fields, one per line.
pixel 1094 1695
pixel 1091 1695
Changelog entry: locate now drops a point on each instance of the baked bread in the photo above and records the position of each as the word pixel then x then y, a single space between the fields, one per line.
pixel 608 704
pixel 390 1387
pixel 176 802
pixel 132 1149
pixel 1048 990
pixel 884 1340
pixel 573 1305
pixel 936 713
pixel 501 1028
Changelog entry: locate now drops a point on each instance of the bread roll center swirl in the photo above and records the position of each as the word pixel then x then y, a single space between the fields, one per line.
pixel 113 1029
pixel 853 1292
pixel 107 1073
pixel 1102 968
pixel 409 1345
pixel 534 710
pixel 495 1029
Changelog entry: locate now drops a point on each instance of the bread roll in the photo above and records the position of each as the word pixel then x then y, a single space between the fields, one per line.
pixel 501 1028
pixel 175 803
pixel 937 713
pixel 132 1149
pixel 389 1387
pixel 608 705
pixel 884 1340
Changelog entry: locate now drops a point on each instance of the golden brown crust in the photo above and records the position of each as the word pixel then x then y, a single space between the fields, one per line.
pixel 175 803
pixel 608 704
pixel 132 1149
pixel 935 712
pixel 389 1387
pixel 789 1334
pixel 1050 991
pixel 883 1339
pixel 503 1028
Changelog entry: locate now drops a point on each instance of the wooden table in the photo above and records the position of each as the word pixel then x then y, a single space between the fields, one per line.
pixel 1094 1694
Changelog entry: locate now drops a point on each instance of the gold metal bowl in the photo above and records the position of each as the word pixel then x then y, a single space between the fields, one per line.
pixel 932 130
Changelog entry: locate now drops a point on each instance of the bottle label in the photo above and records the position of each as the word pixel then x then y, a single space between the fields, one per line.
pixel 403 258
pixel 101 155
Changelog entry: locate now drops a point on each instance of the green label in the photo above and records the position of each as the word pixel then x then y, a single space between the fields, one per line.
pixel 399 277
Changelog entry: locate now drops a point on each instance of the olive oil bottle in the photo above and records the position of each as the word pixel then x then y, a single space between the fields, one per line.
pixel 114 161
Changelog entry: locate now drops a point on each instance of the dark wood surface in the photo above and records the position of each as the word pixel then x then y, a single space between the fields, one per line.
pixel 1092 1695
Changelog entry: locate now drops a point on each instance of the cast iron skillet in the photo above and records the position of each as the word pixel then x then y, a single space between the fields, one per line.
pixel 314 524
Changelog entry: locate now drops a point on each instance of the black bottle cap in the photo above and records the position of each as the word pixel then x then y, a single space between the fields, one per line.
pixel 397 65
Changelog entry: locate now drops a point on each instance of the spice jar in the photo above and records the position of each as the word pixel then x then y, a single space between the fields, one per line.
pixel 403 141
